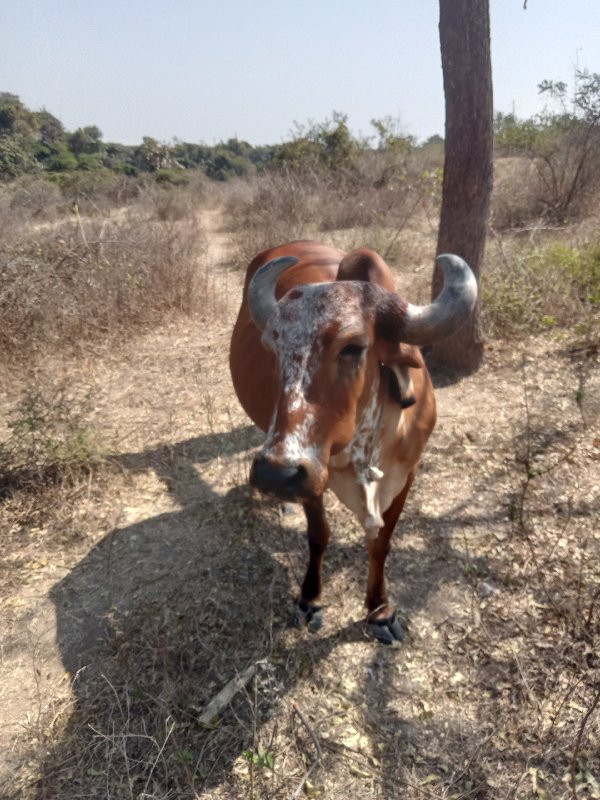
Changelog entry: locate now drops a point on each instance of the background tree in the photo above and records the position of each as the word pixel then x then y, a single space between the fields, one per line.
pixel 15 117
pixel 467 186
pixel 86 140
pixel 152 155
pixel 50 128
pixel 17 137
pixel 558 151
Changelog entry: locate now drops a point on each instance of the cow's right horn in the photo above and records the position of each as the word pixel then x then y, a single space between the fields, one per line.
pixel 261 291
pixel 422 325
pixel 451 308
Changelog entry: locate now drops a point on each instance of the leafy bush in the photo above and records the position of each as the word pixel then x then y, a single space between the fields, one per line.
pixel 172 177
pixel 59 159
pixel 15 158
pixel 529 290
pixel 578 270
pixel 15 118
pixel 327 144
pixel 85 140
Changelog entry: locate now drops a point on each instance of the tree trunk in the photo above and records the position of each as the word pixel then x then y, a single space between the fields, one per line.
pixel 467 187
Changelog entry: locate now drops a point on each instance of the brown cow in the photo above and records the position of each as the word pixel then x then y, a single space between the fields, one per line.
pixel 324 358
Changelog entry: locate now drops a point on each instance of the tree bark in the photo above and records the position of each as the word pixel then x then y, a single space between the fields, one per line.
pixel 467 186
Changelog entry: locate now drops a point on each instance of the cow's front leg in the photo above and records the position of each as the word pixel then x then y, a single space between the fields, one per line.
pixel 308 609
pixel 382 622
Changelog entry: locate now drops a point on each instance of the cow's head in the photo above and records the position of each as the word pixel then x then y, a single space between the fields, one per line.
pixel 329 340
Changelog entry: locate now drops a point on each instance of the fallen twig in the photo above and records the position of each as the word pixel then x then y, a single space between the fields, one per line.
pixel 575 755
pixel 226 695
pixel 318 750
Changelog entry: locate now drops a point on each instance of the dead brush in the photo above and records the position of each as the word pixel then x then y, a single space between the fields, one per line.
pixel 553 553
pixel 138 729
pixel 516 200
pixel 51 438
pixel 52 461
pixel 371 203
pixel 96 279
pixel 267 210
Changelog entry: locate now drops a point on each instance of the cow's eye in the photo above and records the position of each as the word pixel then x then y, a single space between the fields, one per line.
pixel 352 351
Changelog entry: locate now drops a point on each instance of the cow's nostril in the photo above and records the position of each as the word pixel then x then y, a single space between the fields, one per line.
pixel 301 473
pixel 283 481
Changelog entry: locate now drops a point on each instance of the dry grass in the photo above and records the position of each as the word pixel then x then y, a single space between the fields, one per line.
pixel 492 694
pixel 100 278
pixel 558 188
pixel 516 200
pixel 372 205
pixel 133 593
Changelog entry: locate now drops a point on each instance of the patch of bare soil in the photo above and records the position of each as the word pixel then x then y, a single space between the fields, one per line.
pixel 175 577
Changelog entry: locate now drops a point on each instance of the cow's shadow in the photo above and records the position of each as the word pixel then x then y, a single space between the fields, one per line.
pixel 162 613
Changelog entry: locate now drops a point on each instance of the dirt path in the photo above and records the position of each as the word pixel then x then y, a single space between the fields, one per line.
pixel 173 576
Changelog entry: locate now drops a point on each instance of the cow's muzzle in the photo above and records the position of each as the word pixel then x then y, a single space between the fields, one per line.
pixel 286 481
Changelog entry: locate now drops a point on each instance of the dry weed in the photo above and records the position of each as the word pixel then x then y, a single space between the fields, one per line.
pixel 494 566
pixel 373 204
pixel 97 279
pixel 493 693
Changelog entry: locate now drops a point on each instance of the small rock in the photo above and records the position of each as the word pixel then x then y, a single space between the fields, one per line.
pixel 487 589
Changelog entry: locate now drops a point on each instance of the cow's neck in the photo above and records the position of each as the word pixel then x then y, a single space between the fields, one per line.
pixel 365 475
pixel 362 451
pixel 359 465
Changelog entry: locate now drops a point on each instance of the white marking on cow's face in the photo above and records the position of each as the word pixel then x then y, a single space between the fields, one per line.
pixel 312 322
pixel 364 443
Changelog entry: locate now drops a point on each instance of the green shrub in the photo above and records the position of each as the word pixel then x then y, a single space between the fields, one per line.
pixel 527 290
pixel 60 159
pixel 15 158
pixel 172 177
pixel 328 144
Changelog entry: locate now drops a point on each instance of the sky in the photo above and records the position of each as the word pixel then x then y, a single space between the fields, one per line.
pixel 208 70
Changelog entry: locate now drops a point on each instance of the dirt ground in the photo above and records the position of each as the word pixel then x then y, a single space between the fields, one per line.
pixel 169 577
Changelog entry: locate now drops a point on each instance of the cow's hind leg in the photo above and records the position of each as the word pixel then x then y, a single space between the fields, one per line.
pixel 382 622
pixel 308 610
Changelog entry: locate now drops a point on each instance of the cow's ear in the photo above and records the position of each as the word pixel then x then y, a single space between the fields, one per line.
pixel 396 361
pixel 368 266
pixel 404 355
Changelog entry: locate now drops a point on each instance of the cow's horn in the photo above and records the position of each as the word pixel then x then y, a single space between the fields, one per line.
pixel 261 291
pixel 449 311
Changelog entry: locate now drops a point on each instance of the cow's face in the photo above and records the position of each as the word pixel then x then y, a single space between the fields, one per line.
pixel 322 336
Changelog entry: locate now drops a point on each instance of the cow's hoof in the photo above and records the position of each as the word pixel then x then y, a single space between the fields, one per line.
pixel 387 630
pixel 309 615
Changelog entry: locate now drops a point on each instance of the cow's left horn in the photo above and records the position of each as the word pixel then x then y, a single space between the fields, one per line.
pixel 261 291
pixel 449 311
